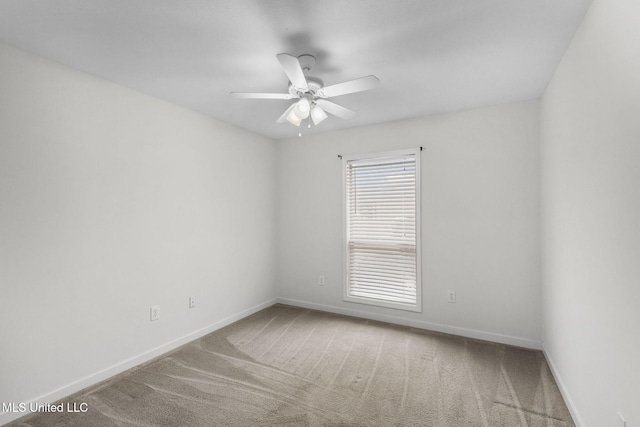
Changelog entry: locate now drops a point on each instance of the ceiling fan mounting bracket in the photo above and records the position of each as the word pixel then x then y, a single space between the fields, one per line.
pixel 306 62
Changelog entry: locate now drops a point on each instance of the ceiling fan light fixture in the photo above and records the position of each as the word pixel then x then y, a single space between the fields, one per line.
pixel 317 115
pixel 301 114
pixel 293 118
pixel 303 107
pixel 305 104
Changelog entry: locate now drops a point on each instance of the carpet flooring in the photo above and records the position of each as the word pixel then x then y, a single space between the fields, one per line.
pixel 288 366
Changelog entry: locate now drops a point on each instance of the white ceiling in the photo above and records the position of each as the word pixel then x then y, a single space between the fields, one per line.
pixel 431 56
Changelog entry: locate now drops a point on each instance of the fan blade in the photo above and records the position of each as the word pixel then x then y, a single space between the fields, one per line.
pixel 283 118
pixel 249 95
pixel 293 70
pixel 335 109
pixel 352 86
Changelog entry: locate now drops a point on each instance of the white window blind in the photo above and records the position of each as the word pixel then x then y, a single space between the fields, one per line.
pixel 382 229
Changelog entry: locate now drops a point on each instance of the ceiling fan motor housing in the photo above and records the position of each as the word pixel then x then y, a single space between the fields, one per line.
pixel 313 83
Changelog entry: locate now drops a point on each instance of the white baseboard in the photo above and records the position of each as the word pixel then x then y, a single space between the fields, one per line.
pixel 577 420
pixel 437 327
pixel 118 368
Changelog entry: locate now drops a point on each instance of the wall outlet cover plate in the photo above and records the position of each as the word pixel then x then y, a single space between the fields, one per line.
pixel 155 312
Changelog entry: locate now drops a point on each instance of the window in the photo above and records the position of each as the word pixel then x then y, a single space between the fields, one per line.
pixel 382 227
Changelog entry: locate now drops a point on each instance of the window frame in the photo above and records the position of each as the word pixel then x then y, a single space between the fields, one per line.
pixel 346 159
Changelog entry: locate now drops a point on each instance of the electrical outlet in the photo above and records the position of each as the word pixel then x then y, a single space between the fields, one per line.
pixel 451 296
pixel 321 280
pixel 192 301
pixel 155 312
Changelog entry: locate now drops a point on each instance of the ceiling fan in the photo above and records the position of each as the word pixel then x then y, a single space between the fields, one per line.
pixel 310 92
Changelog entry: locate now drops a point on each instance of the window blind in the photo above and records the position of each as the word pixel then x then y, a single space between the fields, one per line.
pixel 381 227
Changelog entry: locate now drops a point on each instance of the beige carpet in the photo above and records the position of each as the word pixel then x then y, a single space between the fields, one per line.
pixel 287 366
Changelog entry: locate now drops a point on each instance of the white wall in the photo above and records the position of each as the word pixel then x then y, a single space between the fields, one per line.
pixel 110 202
pixel 480 220
pixel 590 133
